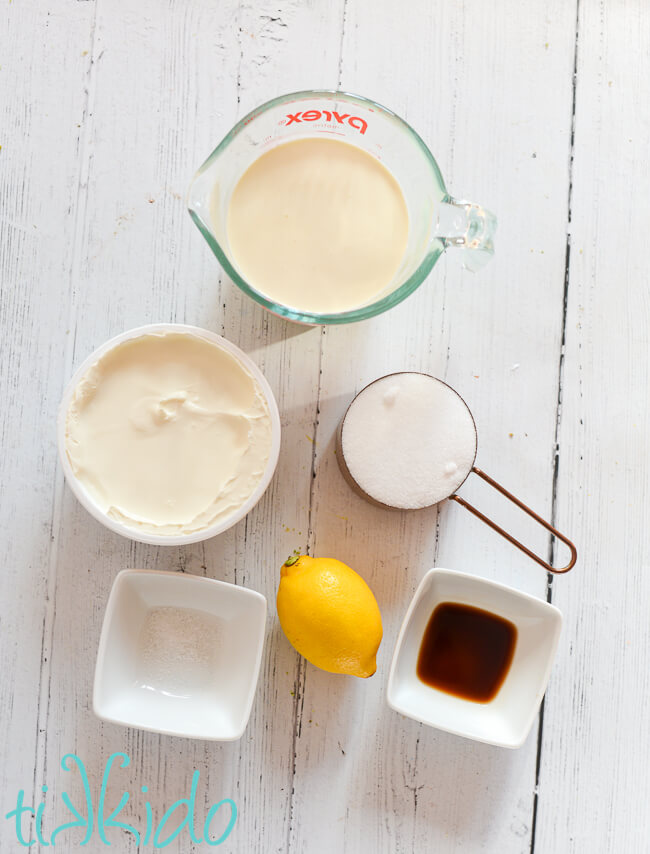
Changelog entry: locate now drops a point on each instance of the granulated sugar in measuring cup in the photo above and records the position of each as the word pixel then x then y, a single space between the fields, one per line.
pixel 326 207
pixel 408 441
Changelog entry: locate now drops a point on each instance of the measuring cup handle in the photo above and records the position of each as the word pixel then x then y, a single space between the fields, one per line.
pixel 467 226
pixel 509 537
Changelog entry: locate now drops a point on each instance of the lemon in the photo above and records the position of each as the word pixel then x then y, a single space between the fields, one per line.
pixel 329 614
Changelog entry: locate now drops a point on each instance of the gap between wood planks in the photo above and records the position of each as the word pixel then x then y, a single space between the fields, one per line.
pixel 301 674
pixel 47 636
pixel 560 378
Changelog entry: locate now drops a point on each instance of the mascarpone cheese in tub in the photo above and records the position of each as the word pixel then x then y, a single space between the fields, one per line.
pixel 170 434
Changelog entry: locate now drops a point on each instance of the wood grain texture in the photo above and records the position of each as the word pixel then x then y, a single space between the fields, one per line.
pixel 38 195
pixel 107 108
pixel 470 330
pixel 594 784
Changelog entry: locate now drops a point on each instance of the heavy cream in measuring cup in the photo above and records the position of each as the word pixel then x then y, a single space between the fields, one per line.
pixel 318 225
pixel 169 433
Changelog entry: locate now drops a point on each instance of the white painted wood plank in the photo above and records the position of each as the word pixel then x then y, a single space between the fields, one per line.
pixel 490 89
pixel 141 259
pixel 594 785
pixel 40 137
pixel 482 102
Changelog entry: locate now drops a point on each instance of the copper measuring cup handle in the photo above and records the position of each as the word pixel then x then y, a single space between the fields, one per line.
pixel 509 537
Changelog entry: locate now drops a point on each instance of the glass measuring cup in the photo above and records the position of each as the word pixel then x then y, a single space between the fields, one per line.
pixel 436 220
pixel 412 433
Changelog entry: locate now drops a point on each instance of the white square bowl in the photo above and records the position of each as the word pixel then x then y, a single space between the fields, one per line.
pixel 179 654
pixel 506 720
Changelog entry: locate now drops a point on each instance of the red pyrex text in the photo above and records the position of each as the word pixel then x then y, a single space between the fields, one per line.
pixel 314 116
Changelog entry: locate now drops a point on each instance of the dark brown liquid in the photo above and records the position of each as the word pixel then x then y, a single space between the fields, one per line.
pixel 466 651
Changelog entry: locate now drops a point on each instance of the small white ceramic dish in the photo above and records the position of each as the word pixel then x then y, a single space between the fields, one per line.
pixel 506 720
pixel 146 536
pixel 179 654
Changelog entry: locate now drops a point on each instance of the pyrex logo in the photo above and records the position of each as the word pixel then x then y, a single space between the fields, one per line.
pixel 315 115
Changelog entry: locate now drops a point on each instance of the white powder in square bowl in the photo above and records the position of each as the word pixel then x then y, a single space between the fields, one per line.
pixel 178 650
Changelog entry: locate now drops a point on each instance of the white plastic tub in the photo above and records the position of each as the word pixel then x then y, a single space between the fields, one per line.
pixel 146 536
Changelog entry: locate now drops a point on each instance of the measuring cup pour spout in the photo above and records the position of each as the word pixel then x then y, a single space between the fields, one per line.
pixel 467 226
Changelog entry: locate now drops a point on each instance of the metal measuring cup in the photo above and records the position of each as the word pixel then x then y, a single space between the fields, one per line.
pixel 471 468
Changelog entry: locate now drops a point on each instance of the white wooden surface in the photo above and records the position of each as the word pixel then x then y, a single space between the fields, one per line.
pixel 537 110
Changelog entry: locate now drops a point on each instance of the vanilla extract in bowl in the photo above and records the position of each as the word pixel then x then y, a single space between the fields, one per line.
pixel 466 651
